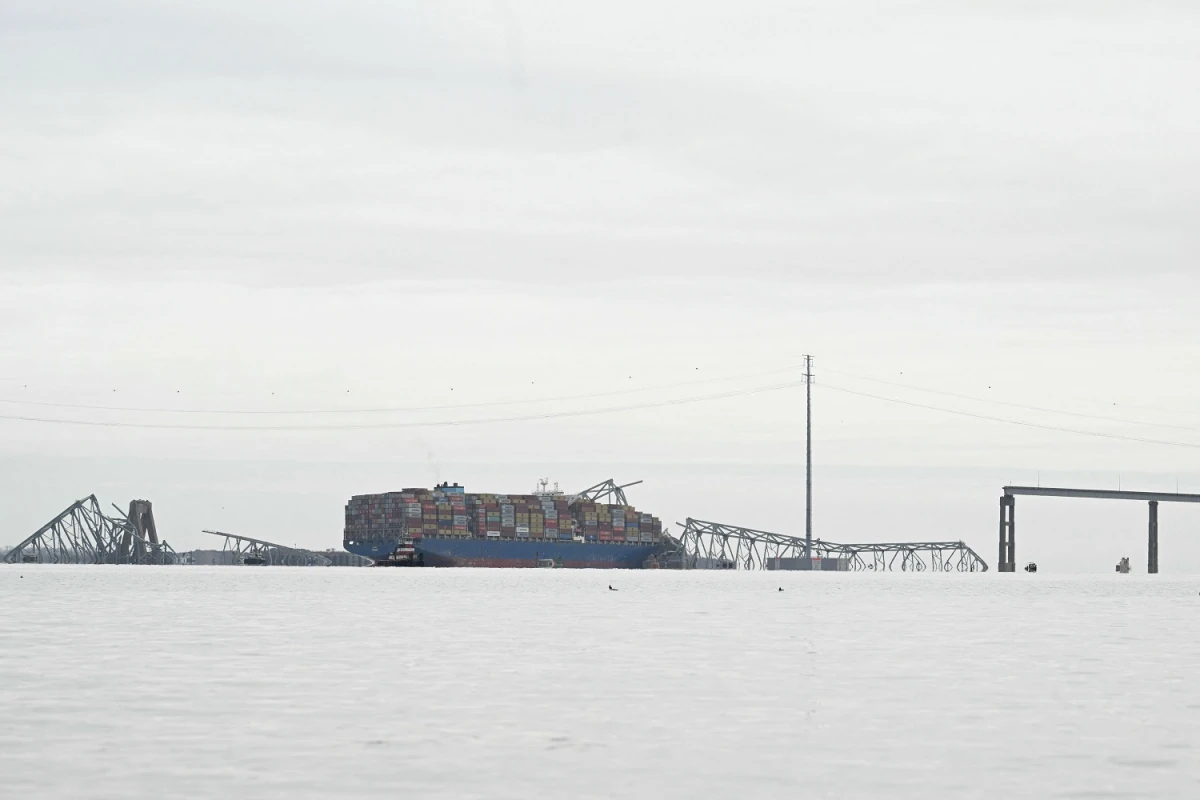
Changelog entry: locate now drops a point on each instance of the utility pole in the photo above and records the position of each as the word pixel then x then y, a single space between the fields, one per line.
pixel 808 378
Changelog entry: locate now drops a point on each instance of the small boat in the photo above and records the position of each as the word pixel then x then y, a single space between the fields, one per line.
pixel 254 561
pixel 1123 566
pixel 405 555
pixel 1031 567
pixel 549 563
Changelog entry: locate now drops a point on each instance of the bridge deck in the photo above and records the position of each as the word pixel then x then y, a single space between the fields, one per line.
pixel 1101 494
pixel 1008 521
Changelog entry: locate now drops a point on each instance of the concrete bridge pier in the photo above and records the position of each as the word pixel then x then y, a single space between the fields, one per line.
pixel 1008 525
pixel 1008 534
pixel 1152 549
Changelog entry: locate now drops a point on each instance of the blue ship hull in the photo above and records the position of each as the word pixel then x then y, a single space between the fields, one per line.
pixel 517 553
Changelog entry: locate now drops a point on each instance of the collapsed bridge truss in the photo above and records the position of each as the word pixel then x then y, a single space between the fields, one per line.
pixel 606 490
pixel 713 545
pixel 249 551
pixel 84 534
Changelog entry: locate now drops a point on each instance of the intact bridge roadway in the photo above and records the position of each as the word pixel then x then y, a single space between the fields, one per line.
pixel 1008 516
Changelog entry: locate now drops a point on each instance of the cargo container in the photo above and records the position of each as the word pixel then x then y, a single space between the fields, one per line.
pixel 453 528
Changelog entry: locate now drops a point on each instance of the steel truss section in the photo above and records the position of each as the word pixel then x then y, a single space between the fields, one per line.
pixel 83 534
pixel 245 550
pixel 713 545
pixel 604 490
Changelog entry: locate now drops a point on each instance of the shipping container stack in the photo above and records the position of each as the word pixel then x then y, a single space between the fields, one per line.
pixel 429 515
pixel 549 517
pixel 416 513
pixel 521 510
pixel 556 513
pixel 450 512
pixel 414 522
pixel 384 517
pixel 586 518
pixel 508 518
pixel 481 516
pixel 358 520
pixel 458 514
pixel 633 524
pixel 494 516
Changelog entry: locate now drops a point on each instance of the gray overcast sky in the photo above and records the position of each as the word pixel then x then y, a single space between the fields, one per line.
pixel 318 205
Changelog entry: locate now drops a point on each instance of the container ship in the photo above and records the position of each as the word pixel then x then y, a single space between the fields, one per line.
pixel 448 527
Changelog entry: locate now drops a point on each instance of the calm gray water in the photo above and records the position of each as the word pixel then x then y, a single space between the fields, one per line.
pixel 144 682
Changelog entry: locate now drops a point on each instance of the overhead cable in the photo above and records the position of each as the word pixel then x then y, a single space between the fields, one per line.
pixel 420 424
pixel 395 410
pixel 1022 423
pixel 1017 405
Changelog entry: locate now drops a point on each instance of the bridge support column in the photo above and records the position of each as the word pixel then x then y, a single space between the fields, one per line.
pixel 1012 533
pixel 1152 550
pixel 1001 557
pixel 1008 534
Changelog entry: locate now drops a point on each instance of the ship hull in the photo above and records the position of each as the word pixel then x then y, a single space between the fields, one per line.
pixel 510 553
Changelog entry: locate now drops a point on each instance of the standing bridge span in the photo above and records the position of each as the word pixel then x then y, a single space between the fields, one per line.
pixel 1008 516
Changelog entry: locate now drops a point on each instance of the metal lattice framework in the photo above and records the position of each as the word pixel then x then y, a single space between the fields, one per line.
pixel 713 545
pixel 83 534
pixel 247 550
pixel 603 490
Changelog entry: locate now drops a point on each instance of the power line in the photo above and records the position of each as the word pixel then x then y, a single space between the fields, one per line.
pixel 490 404
pixel 389 425
pixel 1010 421
pixel 1176 411
pixel 1021 405
pixel 585 412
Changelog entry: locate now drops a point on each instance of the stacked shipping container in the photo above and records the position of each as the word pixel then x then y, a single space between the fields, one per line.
pixel 449 512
